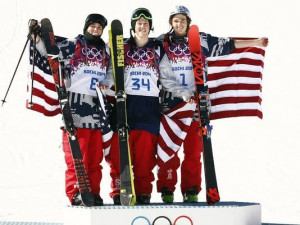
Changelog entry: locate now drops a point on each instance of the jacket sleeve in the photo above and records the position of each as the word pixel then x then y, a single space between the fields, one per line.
pixel 214 46
pixel 66 49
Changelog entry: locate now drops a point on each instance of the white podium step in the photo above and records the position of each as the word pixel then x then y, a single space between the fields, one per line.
pixel 224 213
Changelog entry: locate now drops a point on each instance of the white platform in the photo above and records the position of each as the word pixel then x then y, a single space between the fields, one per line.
pixel 224 213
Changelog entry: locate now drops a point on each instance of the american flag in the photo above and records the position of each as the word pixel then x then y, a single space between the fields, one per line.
pixel 174 125
pixel 235 85
pixel 44 96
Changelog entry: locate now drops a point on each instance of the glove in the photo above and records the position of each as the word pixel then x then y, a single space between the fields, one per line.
pixel 34 27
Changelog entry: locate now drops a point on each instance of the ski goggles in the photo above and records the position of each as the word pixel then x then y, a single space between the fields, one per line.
pixel 141 13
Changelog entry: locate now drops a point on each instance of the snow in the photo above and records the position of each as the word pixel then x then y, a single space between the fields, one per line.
pixel 256 160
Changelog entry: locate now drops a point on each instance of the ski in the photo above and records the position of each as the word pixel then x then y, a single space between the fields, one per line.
pixel 53 51
pixel 212 192
pixel 127 193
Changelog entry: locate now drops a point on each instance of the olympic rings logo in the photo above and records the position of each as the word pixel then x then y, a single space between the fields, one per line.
pixel 180 49
pixel 93 53
pixel 162 217
pixel 141 54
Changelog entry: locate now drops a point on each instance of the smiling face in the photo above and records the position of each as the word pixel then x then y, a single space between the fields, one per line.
pixel 179 22
pixel 95 29
pixel 142 27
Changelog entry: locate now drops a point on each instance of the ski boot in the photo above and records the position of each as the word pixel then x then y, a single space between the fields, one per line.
pixel 143 199
pixel 167 195
pixel 191 196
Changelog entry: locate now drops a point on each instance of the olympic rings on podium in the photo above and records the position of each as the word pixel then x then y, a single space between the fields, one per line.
pixel 141 217
pixel 183 217
pixel 161 217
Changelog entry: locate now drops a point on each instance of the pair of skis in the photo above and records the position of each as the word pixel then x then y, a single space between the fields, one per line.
pixel 127 194
pixel 212 192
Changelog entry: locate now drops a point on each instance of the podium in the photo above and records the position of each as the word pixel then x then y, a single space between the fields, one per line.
pixel 223 213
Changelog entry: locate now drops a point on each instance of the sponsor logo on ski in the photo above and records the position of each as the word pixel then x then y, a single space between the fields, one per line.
pixel 120 50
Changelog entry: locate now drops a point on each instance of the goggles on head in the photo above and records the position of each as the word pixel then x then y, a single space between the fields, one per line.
pixel 141 13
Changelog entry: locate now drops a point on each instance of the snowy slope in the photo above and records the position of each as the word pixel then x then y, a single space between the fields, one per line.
pixel 256 160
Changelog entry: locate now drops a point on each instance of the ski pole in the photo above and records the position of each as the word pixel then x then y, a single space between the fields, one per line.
pixel 3 101
pixel 30 104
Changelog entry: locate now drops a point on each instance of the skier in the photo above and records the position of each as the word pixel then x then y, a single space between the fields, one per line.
pixel 142 56
pixel 87 65
pixel 177 79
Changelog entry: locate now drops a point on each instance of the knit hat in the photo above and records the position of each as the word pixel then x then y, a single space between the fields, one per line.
pixel 94 18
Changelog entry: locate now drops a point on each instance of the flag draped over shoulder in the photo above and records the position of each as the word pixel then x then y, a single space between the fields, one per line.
pixel 235 83
pixel 45 98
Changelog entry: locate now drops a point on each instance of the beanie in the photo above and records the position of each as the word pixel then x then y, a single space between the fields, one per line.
pixel 94 18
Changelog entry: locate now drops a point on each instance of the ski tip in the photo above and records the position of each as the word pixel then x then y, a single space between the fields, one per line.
pixel 45 19
pixel 194 28
pixel 116 22
pixel 194 39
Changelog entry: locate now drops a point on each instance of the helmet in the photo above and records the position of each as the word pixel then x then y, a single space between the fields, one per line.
pixel 180 9
pixel 137 14
pixel 94 18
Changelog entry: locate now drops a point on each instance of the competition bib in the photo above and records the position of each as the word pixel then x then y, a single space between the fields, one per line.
pixel 84 80
pixel 141 72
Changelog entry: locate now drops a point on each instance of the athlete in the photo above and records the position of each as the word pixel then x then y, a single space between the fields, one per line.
pixel 177 79
pixel 142 56
pixel 87 65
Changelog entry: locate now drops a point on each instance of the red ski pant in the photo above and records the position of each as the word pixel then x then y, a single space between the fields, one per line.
pixel 143 147
pixel 90 142
pixel 190 167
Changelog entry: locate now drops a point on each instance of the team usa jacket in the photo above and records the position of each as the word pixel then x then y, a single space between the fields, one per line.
pixel 84 67
pixel 176 70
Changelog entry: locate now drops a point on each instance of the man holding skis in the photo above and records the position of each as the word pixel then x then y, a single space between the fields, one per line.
pixel 177 78
pixel 142 56
pixel 87 63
